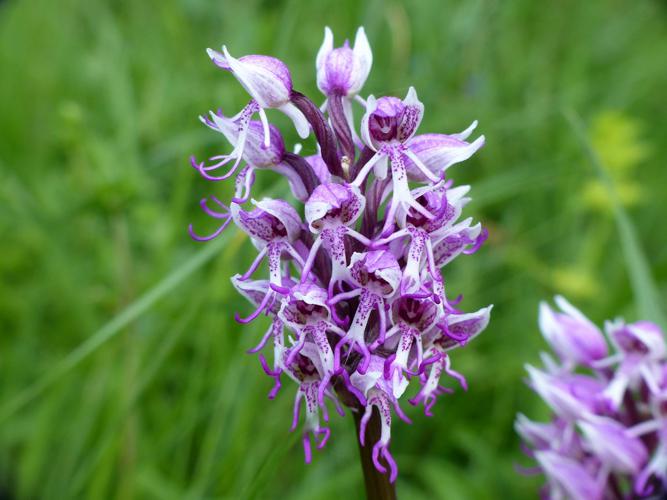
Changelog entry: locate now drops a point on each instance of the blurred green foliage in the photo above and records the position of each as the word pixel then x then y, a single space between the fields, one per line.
pixel 122 373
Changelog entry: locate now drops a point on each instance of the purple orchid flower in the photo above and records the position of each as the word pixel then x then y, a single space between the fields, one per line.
pixel 608 436
pixel 344 70
pixel 571 335
pixel 269 83
pixel 382 394
pixel 422 231
pixel 330 211
pixel 273 227
pixel 256 155
pixel 411 317
pixel 355 297
pixel 341 73
pixel 307 314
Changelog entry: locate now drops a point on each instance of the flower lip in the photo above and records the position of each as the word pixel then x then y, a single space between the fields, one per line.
pixel 378 271
pixel 333 204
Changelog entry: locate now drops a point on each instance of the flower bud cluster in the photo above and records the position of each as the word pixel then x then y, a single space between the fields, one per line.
pixel 353 284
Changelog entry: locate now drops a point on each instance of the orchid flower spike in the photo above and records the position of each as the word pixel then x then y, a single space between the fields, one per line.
pixel 607 437
pixel 348 267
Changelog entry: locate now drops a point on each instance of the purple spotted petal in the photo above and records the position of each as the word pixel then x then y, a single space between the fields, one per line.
pixel 411 116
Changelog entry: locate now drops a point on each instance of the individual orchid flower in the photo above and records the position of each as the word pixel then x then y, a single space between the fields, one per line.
pixel 330 211
pixel 385 128
pixel 343 70
pixel 269 83
pixel 307 373
pixel 641 348
pixel 376 275
pixel 273 227
pixel 446 208
pixel 256 155
pixel 411 317
pixel 571 335
pixel 307 314
pixel 341 73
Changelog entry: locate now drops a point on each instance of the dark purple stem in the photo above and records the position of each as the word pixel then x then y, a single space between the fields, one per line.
pixel 323 134
pixel 341 127
pixel 366 154
pixel 303 169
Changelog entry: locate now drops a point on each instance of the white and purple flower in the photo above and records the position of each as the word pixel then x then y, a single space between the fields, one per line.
pixel 354 293
pixel 608 434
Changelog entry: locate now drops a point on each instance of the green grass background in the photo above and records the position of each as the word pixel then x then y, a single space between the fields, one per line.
pixel 122 372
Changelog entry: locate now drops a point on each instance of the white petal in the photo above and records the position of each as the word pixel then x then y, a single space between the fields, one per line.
pixel 300 122
pixel 227 127
pixel 363 58
pixel 466 133
pixel 371 106
pixel 325 48
pixel 217 57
